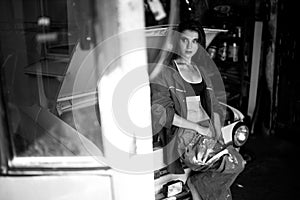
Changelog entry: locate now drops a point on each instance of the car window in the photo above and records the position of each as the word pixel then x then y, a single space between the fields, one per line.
pixel 38 42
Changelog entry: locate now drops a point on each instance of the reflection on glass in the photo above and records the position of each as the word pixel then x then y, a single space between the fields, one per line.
pixel 38 41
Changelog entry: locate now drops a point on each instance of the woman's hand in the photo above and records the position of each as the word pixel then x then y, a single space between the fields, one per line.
pixel 183 123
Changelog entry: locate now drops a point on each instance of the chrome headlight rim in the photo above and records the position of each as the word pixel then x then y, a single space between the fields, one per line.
pixel 240 130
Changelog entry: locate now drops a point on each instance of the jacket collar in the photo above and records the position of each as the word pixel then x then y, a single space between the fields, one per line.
pixel 176 75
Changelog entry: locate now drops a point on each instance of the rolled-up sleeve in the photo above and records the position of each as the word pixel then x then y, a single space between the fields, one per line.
pixel 162 108
pixel 216 107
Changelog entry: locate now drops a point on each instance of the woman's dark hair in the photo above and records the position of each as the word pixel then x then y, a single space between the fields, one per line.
pixel 193 26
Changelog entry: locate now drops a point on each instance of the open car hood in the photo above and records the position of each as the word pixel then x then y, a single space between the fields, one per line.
pixel 80 81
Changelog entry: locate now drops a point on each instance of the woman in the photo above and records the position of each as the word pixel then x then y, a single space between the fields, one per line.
pixel 183 99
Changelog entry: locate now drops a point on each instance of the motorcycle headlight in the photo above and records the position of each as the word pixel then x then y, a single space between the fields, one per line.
pixel 240 134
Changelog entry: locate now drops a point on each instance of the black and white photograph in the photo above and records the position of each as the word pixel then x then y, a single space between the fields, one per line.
pixel 148 100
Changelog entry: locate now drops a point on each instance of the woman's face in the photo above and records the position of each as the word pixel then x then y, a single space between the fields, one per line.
pixel 188 44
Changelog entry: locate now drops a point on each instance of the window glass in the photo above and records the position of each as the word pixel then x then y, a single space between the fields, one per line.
pixel 47 115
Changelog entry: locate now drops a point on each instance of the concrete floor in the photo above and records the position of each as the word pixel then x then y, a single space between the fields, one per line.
pixel 270 172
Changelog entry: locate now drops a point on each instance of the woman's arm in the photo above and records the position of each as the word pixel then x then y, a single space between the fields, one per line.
pixel 184 123
pixel 217 124
pixel 162 105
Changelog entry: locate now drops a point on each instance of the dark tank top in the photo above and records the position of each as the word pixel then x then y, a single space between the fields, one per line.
pixel 194 89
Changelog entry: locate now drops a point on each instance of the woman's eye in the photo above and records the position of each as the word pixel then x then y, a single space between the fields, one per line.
pixel 184 40
pixel 195 41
